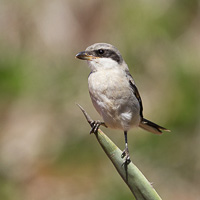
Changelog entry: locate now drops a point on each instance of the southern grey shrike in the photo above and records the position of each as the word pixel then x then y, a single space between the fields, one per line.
pixel 114 93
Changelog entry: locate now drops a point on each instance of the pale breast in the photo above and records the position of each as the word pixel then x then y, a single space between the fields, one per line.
pixel 113 98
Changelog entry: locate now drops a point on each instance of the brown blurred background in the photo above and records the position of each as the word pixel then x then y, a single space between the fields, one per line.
pixel 46 152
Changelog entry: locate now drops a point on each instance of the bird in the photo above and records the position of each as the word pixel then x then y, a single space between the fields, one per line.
pixel 114 94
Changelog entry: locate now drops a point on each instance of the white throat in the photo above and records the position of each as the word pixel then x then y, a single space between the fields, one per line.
pixel 102 64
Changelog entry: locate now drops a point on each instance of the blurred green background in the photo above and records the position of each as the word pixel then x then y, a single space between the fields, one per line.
pixel 46 151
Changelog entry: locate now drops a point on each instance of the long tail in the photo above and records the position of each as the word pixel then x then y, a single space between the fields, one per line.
pixel 152 127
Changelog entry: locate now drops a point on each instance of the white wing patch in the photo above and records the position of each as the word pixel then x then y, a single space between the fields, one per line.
pixel 126 116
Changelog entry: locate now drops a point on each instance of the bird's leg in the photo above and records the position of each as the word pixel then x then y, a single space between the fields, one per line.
pixel 126 151
pixel 95 126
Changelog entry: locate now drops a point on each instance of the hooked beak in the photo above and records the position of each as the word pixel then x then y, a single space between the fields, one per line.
pixel 83 55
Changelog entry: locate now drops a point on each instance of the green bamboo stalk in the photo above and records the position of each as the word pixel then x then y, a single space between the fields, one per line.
pixel 132 176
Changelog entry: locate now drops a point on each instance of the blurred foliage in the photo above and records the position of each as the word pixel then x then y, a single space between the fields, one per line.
pixel 46 151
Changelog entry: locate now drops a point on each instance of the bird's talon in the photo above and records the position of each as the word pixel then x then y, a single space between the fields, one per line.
pixel 91 131
pixel 123 154
pixel 95 126
pixel 127 161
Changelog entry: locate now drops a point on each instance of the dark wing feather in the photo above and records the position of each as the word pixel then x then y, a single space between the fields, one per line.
pixel 136 93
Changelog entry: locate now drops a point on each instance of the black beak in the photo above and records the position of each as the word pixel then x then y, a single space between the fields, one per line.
pixel 83 55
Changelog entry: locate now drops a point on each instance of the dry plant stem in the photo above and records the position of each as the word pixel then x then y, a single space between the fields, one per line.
pixel 132 176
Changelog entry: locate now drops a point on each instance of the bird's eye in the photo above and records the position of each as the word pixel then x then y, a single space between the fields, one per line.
pixel 101 51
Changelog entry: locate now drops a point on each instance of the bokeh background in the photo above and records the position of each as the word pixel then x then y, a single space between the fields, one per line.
pixel 46 151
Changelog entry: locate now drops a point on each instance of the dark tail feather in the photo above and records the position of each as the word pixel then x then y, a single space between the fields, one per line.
pixel 152 127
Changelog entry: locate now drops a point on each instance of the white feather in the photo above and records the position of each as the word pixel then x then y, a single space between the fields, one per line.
pixel 102 63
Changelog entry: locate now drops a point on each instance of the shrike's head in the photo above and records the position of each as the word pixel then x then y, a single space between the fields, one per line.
pixel 102 56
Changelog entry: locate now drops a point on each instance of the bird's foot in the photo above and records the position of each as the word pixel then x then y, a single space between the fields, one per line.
pixel 95 126
pixel 125 154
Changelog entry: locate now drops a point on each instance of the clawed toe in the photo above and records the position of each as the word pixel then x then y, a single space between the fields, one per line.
pixel 95 126
pixel 125 154
pixel 127 160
